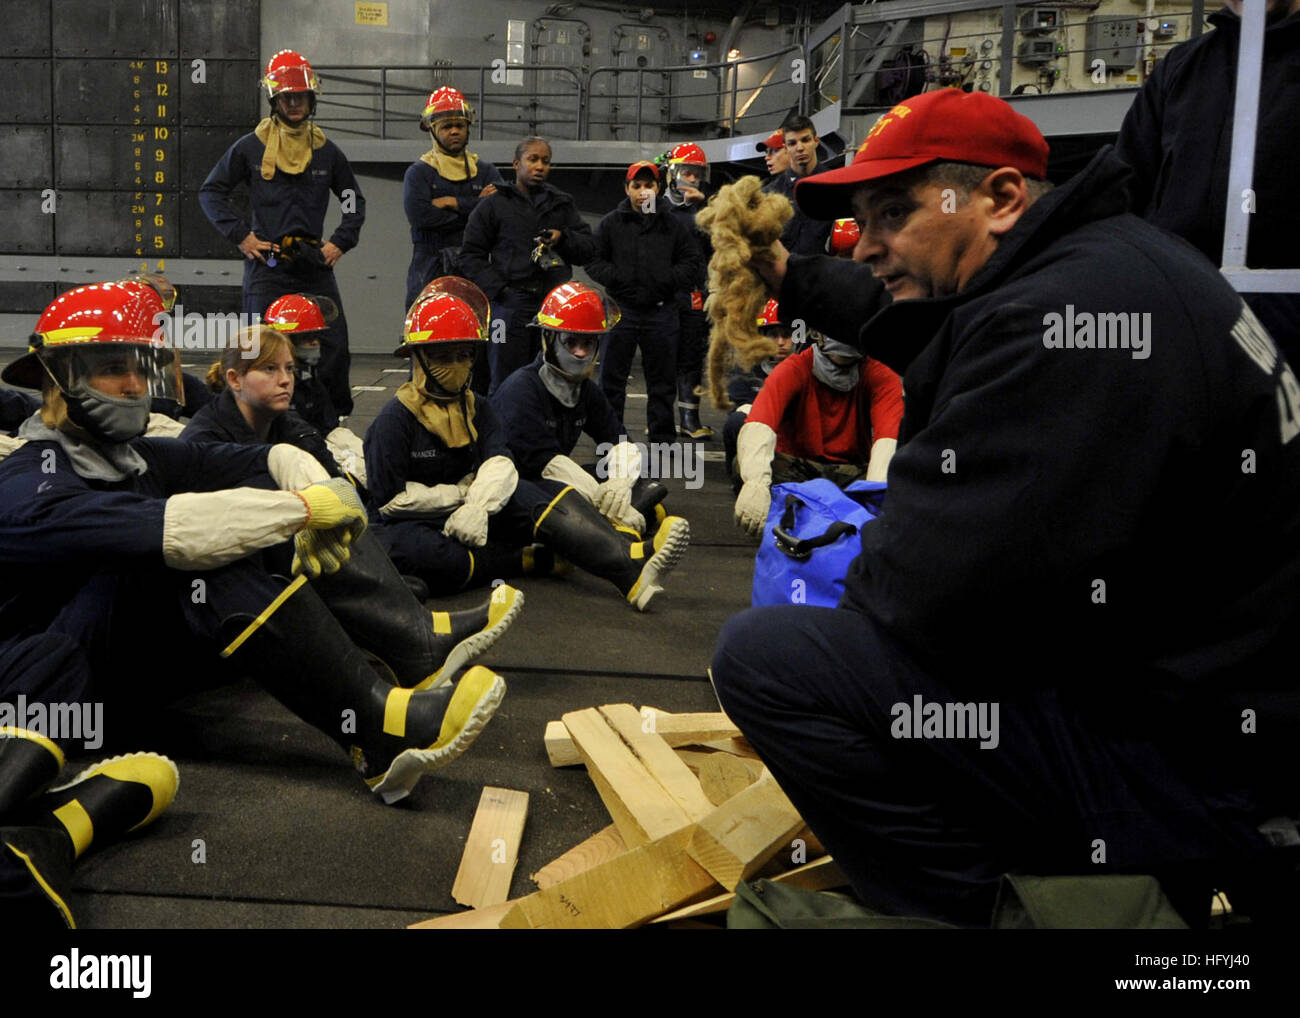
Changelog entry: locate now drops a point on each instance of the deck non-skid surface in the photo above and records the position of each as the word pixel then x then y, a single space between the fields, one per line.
pixel 271 826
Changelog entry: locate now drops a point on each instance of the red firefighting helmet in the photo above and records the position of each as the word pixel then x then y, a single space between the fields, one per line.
pixel 690 156
pixel 289 71
pixel 448 310
pixel 445 103
pixel 844 237
pixel 770 316
pixel 82 326
pixel 300 314
pixel 576 307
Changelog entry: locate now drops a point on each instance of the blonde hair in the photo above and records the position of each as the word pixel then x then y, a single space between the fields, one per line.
pixel 264 340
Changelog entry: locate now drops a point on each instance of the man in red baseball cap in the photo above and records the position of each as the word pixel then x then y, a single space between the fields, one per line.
pixel 1037 642
pixel 774 153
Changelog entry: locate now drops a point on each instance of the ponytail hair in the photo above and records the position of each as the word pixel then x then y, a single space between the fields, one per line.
pixel 250 348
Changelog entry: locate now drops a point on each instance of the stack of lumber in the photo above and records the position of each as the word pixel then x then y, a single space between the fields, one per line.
pixel 694 812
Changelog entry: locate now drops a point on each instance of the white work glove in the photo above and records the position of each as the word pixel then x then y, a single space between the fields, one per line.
pixel 491 488
pixel 162 426
pixel 621 467
pixel 293 469
pixel 566 471
pixel 468 525
pixel 423 499
pixel 755 446
pixel 348 451
pixel 745 408
pixel 10 445
pixel 882 451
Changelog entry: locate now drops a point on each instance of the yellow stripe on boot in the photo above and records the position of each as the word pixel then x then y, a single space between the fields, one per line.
pixel 76 821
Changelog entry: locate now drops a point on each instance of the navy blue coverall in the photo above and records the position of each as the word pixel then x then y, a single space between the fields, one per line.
pixel 89 611
pixel 291 206
pixel 433 228
pixel 399 449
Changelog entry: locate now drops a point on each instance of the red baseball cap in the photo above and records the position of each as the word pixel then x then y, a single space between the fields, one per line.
pixel 642 166
pixel 774 140
pixel 948 124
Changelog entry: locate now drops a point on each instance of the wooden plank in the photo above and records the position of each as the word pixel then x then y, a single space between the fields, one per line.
pixel 600 847
pixel 803 847
pixel 819 875
pixel 662 763
pixel 475 919
pixel 691 729
pixel 492 848
pixel 723 775
pixel 676 729
pixel 637 803
pixel 623 892
pixel 735 840
pixel 693 758
pixel 559 747
pixel 736 747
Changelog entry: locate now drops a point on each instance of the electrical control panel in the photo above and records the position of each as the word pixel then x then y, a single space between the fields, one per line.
pixel 1114 41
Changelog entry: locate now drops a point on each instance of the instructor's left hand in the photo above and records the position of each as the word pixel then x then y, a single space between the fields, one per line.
pixel 332 252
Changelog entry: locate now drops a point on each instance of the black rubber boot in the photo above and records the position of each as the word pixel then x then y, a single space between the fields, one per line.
pixel 29 763
pixel 110 799
pixel 575 529
pixel 419 649
pixel 41 842
pixel 418 588
pixel 688 407
pixel 298 652
pixel 647 499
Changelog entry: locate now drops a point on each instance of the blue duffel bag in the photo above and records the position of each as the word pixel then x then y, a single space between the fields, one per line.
pixel 811 537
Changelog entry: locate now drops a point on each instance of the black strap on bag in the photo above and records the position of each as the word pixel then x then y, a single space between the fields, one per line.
pixel 800 549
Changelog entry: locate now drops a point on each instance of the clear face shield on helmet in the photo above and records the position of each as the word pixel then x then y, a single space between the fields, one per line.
pixel 307 342
pixel 115 371
pixel 685 175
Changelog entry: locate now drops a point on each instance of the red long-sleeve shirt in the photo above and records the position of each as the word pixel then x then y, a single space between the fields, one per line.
pixel 813 421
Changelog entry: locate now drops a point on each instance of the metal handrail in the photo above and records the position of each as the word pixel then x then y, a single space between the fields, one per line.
pixel 577 106
pixel 480 97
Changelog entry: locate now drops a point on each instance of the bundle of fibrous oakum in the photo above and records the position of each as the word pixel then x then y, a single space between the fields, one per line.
pixel 744 224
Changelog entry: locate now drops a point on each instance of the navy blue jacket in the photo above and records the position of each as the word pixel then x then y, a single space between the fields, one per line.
pixel 289 204
pixel 221 421
pixel 801 235
pixel 644 259
pixel 399 449
pixel 539 427
pixel 1177 136
pixel 498 244
pixel 433 228
pixel 685 214
pixel 1024 474
pixel 311 400
pixel 16 407
pixel 743 386
pixel 58 530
